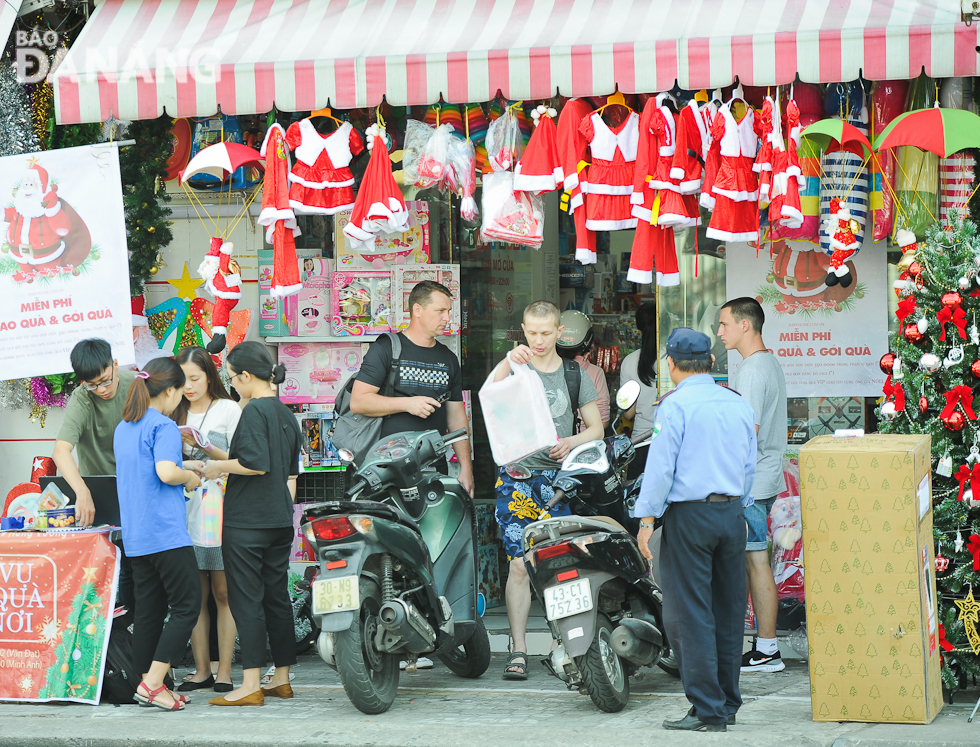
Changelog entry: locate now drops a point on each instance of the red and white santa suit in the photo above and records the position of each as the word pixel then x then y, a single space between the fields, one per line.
pixel 679 202
pixel 788 177
pixel 763 165
pixel 36 223
pixel 572 152
pixel 380 207
pixel 224 285
pixel 841 230
pixel 277 216
pixel 736 187
pixel 321 180
pixel 610 180
pixel 540 169
pixel 653 245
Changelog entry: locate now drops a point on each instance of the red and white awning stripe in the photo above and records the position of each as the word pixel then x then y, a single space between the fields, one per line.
pixel 8 14
pixel 136 59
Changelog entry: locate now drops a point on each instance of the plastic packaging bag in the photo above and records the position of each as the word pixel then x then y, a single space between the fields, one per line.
pixel 887 102
pixel 517 415
pixel 205 509
pixel 513 217
pixel 505 143
pixel 417 136
pixel 462 157
pixel 786 530
pixel 433 165
pixel 918 172
pixel 957 174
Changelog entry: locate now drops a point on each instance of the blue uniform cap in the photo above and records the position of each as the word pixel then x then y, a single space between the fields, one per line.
pixel 687 344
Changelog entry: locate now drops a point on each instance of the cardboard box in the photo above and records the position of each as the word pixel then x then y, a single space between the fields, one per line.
pixel 313 302
pixel 317 371
pixel 870 580
pixel 360 303
pixel 277 316
pixel 411 247
pixel 407 277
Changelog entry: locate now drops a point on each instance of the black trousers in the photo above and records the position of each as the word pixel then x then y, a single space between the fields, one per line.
pixel 702 564
pixel 164 581
pixel 257 571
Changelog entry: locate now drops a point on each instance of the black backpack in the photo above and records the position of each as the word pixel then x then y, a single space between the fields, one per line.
pixel 120 680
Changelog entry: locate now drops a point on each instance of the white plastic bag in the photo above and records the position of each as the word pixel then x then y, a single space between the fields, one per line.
pixel 517 415
pixel 205 510
pixel 513 217
pixel 417 136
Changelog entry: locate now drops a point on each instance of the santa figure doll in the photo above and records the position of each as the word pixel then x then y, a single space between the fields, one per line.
pixel 224 283
pixel 842 232
pixel 39 228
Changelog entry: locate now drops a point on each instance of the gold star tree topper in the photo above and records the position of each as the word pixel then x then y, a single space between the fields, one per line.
pixel 970 615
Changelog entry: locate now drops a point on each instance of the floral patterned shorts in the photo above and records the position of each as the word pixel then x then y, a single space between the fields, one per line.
pixel 522 502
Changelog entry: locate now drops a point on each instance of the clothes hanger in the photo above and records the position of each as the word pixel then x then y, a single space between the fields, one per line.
pixel 738 95
pixel 617 99
pixel 326 113
pixel 670 99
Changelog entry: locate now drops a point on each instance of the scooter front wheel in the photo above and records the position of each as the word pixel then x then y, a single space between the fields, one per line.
pixel 471 659
pixel 603 674
pixel 369 676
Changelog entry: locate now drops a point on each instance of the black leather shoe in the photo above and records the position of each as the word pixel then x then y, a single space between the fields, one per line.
pixel 691 722
pixel 189 686
pixel 731 719
pixel 223 687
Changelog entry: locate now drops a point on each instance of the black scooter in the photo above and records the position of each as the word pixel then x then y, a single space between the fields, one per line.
pixel 601 601
pixel 397 571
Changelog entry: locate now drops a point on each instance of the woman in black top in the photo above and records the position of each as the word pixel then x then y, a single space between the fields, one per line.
pixel 262 463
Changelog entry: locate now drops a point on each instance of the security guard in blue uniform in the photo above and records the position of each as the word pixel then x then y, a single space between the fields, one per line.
pixel 698 477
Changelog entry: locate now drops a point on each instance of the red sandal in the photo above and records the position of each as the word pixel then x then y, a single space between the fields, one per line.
pixel 147 701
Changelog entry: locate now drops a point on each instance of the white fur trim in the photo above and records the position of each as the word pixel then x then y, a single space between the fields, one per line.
pixel 230 295
pixel 666 280
pixel 227 247
pixel 598 188
pixel 677 173
pixel 835 244
pixel 644 214
pixel 610 225
pixel 219 331
pixel 714 233
pixel 302 209
pixel 735 196
pixel 657 184
pixel 644 277
pixel 320 185
pixel 707 201
pixel 842 270
pixel 586 256
pixel 281 291
pixel 577 201
pixel 675 220
pixel 904 238
pixel 689 187
pixel 140 321
pixel 537 182
pixel 38 260
pixel 636 199
pixel 791 218
pixel 265 141
pixel 270 215
pixel 842 214
pixel 571 182
pixel 757 167
pixel 53 211
pixel 794 171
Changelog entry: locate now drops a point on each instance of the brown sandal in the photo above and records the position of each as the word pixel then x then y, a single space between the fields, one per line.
pixel 512 663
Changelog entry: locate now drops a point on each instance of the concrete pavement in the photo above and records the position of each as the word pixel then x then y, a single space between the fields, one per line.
pixel 435 708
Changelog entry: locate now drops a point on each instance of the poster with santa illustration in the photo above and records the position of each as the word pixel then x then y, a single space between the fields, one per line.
pixel 826 315
pixel 64 264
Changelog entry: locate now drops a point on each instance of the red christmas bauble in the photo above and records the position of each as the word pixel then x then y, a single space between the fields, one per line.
pixel 975 368
pixel 923 404
pixel 951 300
pixel 912 333
pixel 915 269
pixel 955 421
pixel 886 363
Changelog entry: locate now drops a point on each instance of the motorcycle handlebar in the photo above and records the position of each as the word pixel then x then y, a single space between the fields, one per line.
pixel 457 435
pixel 559 497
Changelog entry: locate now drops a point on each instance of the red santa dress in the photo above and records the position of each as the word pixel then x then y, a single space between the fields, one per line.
pixel 573 150
pixel 277 216
pixel 610 178
pixel 321 180
pixel 763 165
pixel 788 178
pixel 678 202
pixel 736 187
pixel 540 169
pixel 224 286
pixel 380 207
pixel 37 223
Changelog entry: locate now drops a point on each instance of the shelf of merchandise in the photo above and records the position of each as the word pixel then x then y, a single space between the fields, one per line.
pixel 350 339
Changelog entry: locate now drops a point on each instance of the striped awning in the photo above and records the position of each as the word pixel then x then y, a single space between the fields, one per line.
pixel 8 14
pixel 136 59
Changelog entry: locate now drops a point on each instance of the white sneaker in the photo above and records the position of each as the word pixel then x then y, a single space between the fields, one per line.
pixel 423 662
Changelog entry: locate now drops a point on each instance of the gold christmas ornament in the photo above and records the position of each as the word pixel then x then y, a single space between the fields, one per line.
pixel 154 270
pixel 905 262
pixel 970 615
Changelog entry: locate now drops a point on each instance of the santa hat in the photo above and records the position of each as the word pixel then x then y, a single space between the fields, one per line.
pixel 138 304
pixel 905 238
pixel 209 267
pixel 38 172
pixel 540 167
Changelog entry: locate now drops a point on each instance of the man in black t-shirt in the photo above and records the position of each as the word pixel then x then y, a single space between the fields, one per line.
pixel 428 391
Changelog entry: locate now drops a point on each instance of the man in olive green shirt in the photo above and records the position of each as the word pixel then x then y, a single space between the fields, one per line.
pixel 94 410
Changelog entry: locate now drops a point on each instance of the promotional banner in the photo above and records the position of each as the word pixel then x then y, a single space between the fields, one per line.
pixel 57 596
pixel 64 265
pixel 828 338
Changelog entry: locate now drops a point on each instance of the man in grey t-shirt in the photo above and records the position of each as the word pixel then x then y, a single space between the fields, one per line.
pixel 522 500
pixel 759 379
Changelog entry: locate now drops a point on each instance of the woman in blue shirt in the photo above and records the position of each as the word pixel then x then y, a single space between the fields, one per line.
pixel 151 476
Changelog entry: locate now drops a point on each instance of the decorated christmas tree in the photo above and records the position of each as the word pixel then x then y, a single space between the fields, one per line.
pixel 74 673
pixel 932 367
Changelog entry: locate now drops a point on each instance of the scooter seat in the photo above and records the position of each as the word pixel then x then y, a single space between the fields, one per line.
pixel 611 522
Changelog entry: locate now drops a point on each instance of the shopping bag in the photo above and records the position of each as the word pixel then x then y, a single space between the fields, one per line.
pixel 517 415
pixel 205 507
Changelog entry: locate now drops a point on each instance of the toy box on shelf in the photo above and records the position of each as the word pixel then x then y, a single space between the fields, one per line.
pixel 406 278
pixel 317 371
pixel 488 555
pixel 361 303
pixel 320 451
pixel 314 299
pixel 410 248
pixel 277 316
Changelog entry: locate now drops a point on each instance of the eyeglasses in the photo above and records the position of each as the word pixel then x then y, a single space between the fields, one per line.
pixel 100 385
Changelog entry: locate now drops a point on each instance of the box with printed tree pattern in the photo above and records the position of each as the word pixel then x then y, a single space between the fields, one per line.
pixel 870 580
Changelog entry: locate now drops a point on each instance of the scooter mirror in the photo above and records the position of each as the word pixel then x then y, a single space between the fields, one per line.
pixel 517 472
pixel 346 456
pixel 627 395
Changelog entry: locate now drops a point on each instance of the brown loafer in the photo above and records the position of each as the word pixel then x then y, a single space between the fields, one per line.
pixel 281 691
pixel 255 699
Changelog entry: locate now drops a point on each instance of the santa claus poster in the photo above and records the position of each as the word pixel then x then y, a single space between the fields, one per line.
pixel 827 336
pixel 64 265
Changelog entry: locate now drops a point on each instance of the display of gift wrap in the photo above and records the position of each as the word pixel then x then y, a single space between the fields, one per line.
pixel 870 585
pixel 313 301
pixel 317 371
pixel 406 278
pixel 410 248
pixel 360 303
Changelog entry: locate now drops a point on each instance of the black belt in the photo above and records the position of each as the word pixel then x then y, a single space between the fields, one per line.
pixel 719 498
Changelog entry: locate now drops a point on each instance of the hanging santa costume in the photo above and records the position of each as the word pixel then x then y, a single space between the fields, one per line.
pixel 380 207
pixel 572 152
pixel 540 169
pixel 841 231
pixel 679 202
pixel 735 188
pixel 763 159
pixel 224 282
pixel 788 180
pixel 277 216
pixel 610 180
pixel 321 180
pixel 653 245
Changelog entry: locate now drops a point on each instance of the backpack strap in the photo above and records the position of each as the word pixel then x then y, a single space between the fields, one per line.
pixel 396 354
pixel 573 382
